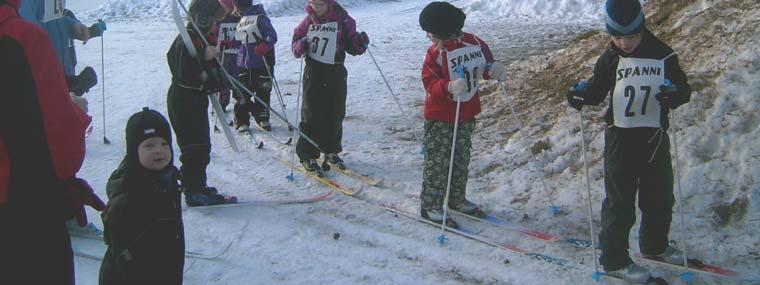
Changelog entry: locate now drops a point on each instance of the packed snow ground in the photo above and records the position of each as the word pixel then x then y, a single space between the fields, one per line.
pixel 294 244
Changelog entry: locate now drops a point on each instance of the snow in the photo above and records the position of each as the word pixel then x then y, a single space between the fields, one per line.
pixel 294 244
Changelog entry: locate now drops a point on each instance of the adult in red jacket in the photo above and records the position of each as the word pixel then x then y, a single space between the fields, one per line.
pixel 453 65
pixel 41 149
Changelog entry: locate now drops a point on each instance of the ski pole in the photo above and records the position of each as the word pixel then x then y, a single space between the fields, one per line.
pixel 276 87
pixel 582 86
pixel 668 86
pixel 298 113
pixel 240 86
pixel 103 79
pixel 461 70
pixel 393 95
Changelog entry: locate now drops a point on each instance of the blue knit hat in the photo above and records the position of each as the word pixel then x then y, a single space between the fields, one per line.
pixel 624 17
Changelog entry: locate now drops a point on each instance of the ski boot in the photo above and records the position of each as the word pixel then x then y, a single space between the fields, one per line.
pixel 436 216
pixel 332 159
pixel 468 208
pixel 311 166
pixel 242 128
pixel 265 125
pixel 633 273
pixel 90 230
pixel 207 196
pixel 671 255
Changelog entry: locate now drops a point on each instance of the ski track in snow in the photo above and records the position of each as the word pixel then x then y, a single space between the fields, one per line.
pixel 293 244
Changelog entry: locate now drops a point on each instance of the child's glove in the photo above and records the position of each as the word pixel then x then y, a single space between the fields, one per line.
pixel 262 49
pixel 575 98
pixel 364 39
pixel 97 29
pixel 667 95
pixel 496 71
pixel 458 88
pixel 79 193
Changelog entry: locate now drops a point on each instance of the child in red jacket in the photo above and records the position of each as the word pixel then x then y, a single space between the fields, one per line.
pixel 453 64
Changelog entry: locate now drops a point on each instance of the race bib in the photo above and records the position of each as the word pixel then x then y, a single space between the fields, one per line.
pixel 247 30
pixel 53 10
pixel 473 64
pixel 637 81
pixel 226 33
pixel 323 42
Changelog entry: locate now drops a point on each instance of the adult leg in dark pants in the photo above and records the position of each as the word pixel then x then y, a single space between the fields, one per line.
pixel 323 109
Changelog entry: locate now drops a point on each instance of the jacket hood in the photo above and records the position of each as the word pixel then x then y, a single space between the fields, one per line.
pixel 257 9
pixel 334 11
pixel 8 8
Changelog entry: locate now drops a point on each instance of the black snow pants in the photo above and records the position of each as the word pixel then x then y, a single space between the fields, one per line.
pixel 257 81
pixel 323 108
pixel 188 113
pixel 636 160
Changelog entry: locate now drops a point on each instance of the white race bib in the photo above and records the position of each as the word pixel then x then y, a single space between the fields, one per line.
pixel 473 63
pixel 247 30
pixel 323 42
pixel 53 10
pixel 633 102
pixel 226 33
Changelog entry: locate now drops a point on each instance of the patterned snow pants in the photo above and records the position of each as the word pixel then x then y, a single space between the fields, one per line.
pixel 437 142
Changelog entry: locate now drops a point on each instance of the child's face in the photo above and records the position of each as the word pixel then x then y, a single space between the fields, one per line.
pixel 627 44
pixel 154 153
pixel 319 6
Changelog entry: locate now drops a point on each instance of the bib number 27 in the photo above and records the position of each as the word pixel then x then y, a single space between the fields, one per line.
pixel 630 93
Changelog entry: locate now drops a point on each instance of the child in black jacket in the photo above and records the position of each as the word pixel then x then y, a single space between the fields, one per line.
pixel 637 149
pixel 143 220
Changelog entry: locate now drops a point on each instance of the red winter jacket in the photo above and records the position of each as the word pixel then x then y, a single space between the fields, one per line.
pixel 41 129
pixel 439 102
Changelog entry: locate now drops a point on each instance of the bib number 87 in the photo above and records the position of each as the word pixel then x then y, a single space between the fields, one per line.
pixel 630 93
pixel 315 41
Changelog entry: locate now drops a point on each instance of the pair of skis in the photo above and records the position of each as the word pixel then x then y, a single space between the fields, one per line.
pixel 695 265
pixel 194 254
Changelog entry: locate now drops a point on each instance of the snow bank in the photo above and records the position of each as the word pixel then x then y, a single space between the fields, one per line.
pixel 161 9
pixel 537 10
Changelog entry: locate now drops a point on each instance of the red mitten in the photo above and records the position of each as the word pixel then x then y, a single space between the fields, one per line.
pixel 262 49
pixel 79 193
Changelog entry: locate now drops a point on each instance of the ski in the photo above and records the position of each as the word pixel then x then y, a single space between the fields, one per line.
pixel 193 52
pixel 321 197
pixel 272 136
pixel 324 180
pixel 597 276
pixel 698 266
pixel 87 255
pixel 475 237
pixel 188 253
pixel 353 174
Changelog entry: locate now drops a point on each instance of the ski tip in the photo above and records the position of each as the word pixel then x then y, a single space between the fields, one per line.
pixel 260 145
pixel 289 141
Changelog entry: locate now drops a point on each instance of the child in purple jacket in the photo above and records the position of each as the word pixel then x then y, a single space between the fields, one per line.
pixel 324 37
pixel 256 62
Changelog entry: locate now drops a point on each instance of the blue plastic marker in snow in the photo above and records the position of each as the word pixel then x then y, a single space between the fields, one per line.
pixel 596 276
pixel 687 276
pixel 290 177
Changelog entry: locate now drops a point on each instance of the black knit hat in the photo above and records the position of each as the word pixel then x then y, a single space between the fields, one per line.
pixel 203 12
pixel 142 126
pixel 442 19
pixel 624 17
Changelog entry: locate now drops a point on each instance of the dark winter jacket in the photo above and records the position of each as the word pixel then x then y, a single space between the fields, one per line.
pixel 41 129
pixel 143 227
pixel 349 42
pixel 246 57
pixel 605 73
pixel 187 70
pixel 439 102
